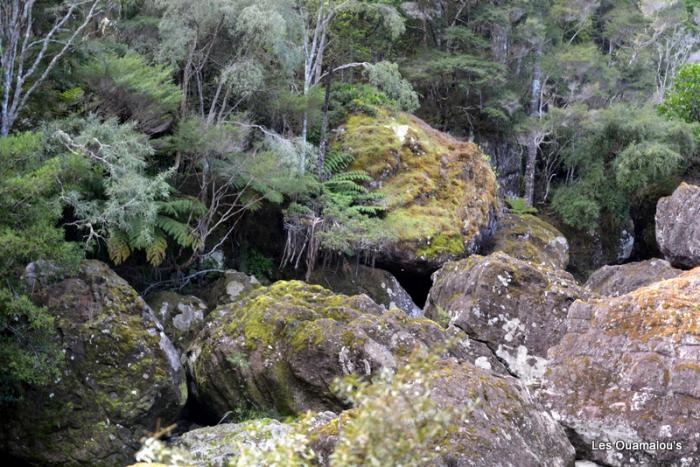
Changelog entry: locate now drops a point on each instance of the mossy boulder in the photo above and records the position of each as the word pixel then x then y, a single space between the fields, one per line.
pixel 280 348
pixel 380 285
pixel 530 238
pixel 440 193
pixel 624 278
pixel 182 316
pixel 678 226
pixel 628 370
pixel 121 376
pixel 517 308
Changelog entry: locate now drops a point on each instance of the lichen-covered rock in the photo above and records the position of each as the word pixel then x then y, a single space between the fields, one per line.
pixel 678 226
pixel 518 309
pixel 280 347
pixel 499 424
pixel 217 446
pixel 628 370
pixel 182 316
pixel 380 285
pixel 121 376
pixel 529 238
pixel 440 193
pixel 228 288
pixel 621 279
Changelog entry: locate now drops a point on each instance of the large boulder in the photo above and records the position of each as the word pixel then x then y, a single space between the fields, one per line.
pixel 518 309
pixel 121 376
pixel 530 238
pixel 182 316
pixel 280 347
pixel 380 285
pixel 628 372
pixel 678 226
pixel 441 194
pixel 624 278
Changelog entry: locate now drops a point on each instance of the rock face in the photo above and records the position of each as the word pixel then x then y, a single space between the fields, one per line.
pixel 381 286
pixel 529 238
pixel 280 347
pixel 518 309
pixel 506 426
pixel 621 279
pixel 121 375
pixel 628 370
pixel 181 316
pixel 678 226
pixel 440 193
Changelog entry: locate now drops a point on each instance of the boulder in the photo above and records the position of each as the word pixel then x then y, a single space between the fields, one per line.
pixel 516 308
pixel 279 348
pixel 380 285
pixel 217 446
pixel 624 278
pixel 228 288
pixel 121 376
pixel 529 238
pixel 182 316
pixel 678 226
pixel 440 194
pixel 628 371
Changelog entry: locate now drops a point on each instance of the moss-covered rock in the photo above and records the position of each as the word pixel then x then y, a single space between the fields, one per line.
pixel 517 308
pixel 440 193
pixel 530 238
pixel 281 347
pixel 182 316
pixel 624 278
pixel 628 370
pixel 380 285
pixel 121 376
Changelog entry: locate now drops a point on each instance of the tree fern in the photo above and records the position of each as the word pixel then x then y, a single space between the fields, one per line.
pixel 118 246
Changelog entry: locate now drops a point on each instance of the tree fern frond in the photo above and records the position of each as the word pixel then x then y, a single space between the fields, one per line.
pixel 179 231
pixel 118 246
pixel 155 252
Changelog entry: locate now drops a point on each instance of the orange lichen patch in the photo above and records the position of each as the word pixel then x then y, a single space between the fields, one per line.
pixel 439 192
pixel 669 308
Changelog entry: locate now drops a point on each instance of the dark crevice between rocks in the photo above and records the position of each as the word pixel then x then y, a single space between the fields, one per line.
pixel 417 284
pixel 583 449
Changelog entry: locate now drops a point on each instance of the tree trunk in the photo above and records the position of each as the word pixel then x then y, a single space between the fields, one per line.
pixel 323 148
pixel 532 146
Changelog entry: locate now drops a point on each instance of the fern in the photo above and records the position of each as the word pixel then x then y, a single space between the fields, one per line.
pixel 155 252
pixel 337 161
pixel 118 247
pixel 179 231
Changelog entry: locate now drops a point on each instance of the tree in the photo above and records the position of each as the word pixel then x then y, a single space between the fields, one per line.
pixel 683 101
pixel 28 56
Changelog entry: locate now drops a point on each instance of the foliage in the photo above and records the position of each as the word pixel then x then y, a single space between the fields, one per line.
pixel 394 419
pixel 519 206
pixel 127 88
pixel 683 101
pixel 30 210
pixel 621 155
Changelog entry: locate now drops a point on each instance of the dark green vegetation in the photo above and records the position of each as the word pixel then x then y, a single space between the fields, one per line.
pixel 158 130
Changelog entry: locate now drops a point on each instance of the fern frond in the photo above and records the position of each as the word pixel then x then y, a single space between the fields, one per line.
pixel 336 161
pixel 155 252
pixel 118 246
pixel 182 207
pixel 179 231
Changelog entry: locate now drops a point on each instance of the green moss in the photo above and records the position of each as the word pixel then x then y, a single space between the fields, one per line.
pixel 439 192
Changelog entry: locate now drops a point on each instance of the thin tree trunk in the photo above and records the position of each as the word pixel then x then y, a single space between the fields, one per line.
pixel 532 146
pixel 323 149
